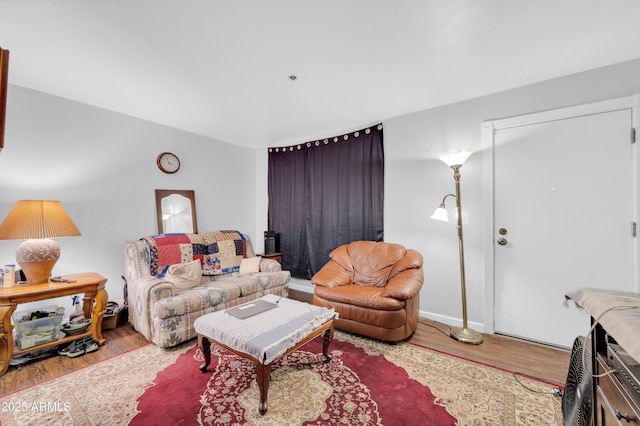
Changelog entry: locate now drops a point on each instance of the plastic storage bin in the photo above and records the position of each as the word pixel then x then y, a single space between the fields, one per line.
pixel 38 331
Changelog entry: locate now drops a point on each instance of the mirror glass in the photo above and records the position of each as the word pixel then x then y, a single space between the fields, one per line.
pixel 176 210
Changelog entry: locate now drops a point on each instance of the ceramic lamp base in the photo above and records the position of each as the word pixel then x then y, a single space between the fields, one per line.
pixel 37 259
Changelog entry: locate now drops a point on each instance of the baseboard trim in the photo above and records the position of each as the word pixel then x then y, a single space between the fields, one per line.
pixel 303 285
pixel 451 321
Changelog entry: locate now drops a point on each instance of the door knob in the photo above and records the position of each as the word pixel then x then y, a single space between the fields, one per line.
pixel 502 241
pixel 622 416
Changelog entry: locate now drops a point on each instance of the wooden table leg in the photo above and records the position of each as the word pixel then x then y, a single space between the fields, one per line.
pixel 97 300
pixel 326 340
pixel 205 346
pixel 264 375
pixel 6 337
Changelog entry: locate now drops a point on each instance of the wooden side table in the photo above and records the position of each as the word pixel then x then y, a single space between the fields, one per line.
pixel 94 306
pixel 274 256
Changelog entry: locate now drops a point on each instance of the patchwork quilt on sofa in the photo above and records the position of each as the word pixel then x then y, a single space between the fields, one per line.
pixel 220 252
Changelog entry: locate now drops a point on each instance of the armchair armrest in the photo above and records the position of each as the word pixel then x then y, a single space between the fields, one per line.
pixel 331 275
pixel 404 285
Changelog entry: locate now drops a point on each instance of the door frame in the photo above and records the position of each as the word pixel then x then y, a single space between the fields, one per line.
pixel 488 141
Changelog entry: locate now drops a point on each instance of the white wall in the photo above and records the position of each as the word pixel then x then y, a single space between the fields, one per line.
pixel 101 165
pixel 415 182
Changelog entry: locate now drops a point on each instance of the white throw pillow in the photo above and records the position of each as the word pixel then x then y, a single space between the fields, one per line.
pixel 184 275
pixel 250 265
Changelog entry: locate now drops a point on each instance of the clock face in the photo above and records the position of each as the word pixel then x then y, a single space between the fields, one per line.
pixel 168 162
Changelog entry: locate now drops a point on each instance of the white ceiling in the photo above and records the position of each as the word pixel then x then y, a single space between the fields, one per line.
pixel 221 68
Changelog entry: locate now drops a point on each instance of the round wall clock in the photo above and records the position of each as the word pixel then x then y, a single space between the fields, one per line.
pixel 168 162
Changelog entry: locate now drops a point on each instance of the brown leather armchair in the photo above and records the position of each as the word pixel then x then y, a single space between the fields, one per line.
pixel 374 287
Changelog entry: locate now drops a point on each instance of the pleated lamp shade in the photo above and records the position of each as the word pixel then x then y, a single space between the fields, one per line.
pixel 36 221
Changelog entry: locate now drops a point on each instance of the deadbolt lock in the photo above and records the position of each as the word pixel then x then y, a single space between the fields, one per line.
pixel 502 231
pixel 502 241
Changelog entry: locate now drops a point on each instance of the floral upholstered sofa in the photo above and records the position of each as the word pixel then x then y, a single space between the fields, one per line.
pixel 221 271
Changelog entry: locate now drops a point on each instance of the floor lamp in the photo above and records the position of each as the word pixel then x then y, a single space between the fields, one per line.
pixel 455 160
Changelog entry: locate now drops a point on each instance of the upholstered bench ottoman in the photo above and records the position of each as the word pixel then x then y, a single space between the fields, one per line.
pixel 265 336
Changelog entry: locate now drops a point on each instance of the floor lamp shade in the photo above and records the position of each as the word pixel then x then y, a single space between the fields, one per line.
pixel 36 221
pixel 456 157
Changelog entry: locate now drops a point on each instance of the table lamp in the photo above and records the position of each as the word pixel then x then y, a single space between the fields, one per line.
pixel 36 221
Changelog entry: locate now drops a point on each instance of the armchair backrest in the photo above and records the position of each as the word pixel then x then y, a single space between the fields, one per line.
pixel 370 263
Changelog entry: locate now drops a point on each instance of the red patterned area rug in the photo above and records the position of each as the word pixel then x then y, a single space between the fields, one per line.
pixel 352 389
pixel 366 383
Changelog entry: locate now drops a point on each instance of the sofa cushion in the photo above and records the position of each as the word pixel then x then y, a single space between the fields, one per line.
pixel 250 265
pixel 364 297
pixel 222 290
pixel 361 315
pixel 184 275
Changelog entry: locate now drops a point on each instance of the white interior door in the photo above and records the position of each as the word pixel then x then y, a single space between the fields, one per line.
pixel 564 198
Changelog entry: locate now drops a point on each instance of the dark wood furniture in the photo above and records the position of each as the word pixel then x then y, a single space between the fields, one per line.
pixel 616 401
pixel 615 354
pixel 274 256
pixel 95 305
pixel 4 83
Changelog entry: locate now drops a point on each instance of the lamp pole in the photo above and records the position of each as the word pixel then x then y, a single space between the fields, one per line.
pixel 463 334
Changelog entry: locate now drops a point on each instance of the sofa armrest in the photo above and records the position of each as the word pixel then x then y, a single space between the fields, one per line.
pixel 136 261
pixel 270 265
pixel 143 294
pixel 404 285
pixel 331 275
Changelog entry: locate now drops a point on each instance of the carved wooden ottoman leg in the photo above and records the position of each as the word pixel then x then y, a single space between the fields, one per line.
pixel 264 374
pixel 205 345
pixel 327 338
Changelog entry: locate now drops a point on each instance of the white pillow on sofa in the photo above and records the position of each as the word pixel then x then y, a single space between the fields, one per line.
pixel 250 265
pixel 184 275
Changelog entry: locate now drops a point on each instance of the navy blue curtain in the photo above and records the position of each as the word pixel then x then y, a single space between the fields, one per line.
pixel 326 193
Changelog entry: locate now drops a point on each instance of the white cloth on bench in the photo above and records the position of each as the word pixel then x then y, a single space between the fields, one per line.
pixel 267 335
pixel 618 312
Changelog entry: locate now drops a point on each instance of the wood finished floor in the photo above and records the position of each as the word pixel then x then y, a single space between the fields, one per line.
pixel 539 361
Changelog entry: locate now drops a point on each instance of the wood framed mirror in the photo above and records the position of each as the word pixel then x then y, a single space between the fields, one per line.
pixel 4 77
pixel 176 210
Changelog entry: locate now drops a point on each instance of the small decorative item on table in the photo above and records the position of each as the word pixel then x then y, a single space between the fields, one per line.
pixel 9 276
